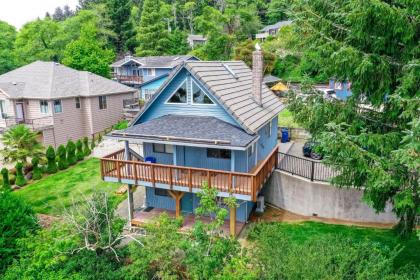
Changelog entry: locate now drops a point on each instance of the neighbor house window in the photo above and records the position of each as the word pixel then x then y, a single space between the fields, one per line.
pixel 77 100
pixel 148 93
pixel 161 192
pixel 162 148
pixel 218 153
pixel 102 102
pixel 57 106
pixel 180 95
pixel 2 109
pixel 44 106
pixel 199 97
pixel 150 72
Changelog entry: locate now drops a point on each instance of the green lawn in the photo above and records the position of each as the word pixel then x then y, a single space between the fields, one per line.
pixel 51 194
pixel 299 232
pixel 286 119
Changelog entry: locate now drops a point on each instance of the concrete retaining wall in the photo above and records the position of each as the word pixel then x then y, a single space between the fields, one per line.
pixel 304 197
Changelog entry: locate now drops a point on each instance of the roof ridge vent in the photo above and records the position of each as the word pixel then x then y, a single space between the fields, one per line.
pixel 230 70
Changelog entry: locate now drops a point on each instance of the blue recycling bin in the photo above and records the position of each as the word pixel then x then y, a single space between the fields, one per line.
pixel 285 135
pixel 150 159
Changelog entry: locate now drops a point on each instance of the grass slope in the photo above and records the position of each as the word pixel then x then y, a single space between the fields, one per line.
pixel 51 194
pixel 299 232
pixel 286 119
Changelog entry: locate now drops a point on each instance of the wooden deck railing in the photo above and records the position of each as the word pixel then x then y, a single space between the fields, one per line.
pixel 127 78
pixel 115 166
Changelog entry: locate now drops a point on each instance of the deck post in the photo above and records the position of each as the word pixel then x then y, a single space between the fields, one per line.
pixel 130 200
pixel 232 221
pixel 177 196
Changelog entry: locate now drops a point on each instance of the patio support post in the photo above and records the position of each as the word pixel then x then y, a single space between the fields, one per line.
pixel 130 200
pixel 232 221
pixel 177 196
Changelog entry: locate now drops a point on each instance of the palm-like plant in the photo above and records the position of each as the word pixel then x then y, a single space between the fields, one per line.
pixel 20 143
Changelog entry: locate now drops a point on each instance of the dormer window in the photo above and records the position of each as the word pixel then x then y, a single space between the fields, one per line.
pixel 199 96
pixel 180 95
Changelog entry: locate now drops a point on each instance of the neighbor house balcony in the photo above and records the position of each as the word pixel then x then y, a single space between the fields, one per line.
pixel 36 124
pixel 246 186
pixel 127 79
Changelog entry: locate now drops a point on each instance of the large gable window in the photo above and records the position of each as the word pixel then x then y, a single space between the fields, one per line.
pixel 199 97
pixel 180 95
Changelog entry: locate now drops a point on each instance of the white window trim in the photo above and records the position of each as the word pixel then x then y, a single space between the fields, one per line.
pixel 99 102
pixel 270 128
pixel 192 95
pixel 180 85
pixel 40 107
pixel 61 105
pixel 80 103
pixel 2 107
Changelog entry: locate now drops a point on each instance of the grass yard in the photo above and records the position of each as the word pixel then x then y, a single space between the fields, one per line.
pixel 51 194
pixel 301 232
pixel 286 119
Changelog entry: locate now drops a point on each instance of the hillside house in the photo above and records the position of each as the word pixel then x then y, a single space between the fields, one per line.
pixel 271 30
pixel 146 73
pixel 196 40
pixel 213 122
pixel 59 102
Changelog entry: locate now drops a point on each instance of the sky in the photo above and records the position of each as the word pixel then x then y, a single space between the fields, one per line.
pixel 18 12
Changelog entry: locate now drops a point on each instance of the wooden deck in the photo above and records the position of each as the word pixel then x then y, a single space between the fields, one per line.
pixel 170 176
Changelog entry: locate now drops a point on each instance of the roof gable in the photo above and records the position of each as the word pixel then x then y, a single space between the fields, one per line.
pixel 230 85
pixel 159 105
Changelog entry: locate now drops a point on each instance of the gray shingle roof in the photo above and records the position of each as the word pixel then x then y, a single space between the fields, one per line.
pixel 196 37
pixel 169 61
pixel 270 79
pixel 234 93
pixel 49 80
pixel 195 129
pixel 277 25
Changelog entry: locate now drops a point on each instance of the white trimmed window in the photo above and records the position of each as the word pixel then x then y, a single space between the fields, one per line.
pixel 77 100
pixel 102 102
pixel 2 109
pixel 199 96
pixel 163 148
pixel 43 104
pixel 58 108
pixel 180 95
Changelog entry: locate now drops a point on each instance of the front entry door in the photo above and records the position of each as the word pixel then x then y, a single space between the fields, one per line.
pixel 20 116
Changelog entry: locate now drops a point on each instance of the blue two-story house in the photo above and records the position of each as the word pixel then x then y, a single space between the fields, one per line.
pixel 213 122
pixel 146 73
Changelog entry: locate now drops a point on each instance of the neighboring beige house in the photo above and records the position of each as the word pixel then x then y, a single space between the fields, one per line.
pixel 59 102
pixel 271 30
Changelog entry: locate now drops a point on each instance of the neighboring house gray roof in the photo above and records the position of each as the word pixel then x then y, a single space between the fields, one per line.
pixel 196 37
pixel 268 79
pixel 277 25
pixel 195 129
pixel 169 61
pixel 51 80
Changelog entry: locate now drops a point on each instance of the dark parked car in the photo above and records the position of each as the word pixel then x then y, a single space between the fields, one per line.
pixel 308 150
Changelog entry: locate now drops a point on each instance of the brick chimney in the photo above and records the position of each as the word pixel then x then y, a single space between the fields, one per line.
pixel 257 74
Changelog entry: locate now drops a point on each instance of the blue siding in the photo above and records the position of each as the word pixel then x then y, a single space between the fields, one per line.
pixel 267 142
pixel 158 72
pixel 152 86
pixel 159 108
pixel 191 201
pixel 160 157
pixel 241 161
pixel 129 70
pixel 342 92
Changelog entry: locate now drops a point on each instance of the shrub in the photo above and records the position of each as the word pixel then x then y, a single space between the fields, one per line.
pixel 79 150
pixel 99 138
pixel 92 144
pixel 62 159
pixel 51 164
pixel 36 171
pixel 17 221
pixel 5 177
pixel 20 179
pixel 121 125
pixel 71 153
pixel 86 149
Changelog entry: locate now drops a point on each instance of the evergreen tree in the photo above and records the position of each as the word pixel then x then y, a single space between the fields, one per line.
pixel 58 14
pixel 372 139
pixel 119 13
pixel 67 12
pixel 36 171
pixel 152 36
pixel 5 177
pixel 7 40
pixel 20 179
pixel 79 150
pixel 86 150
pixel 51 163
pixel 62 158
pixel 71 153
